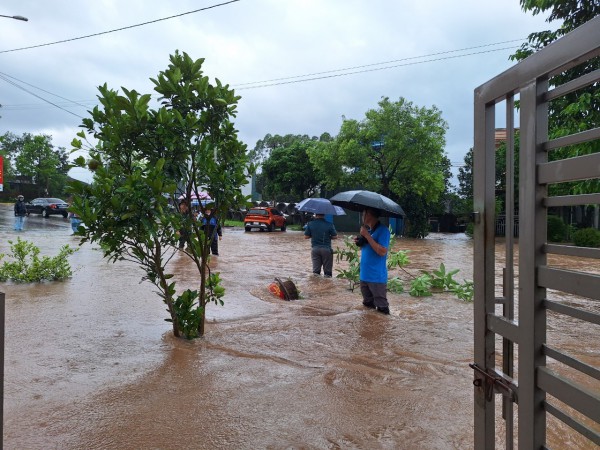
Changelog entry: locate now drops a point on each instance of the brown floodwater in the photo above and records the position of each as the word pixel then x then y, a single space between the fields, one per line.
pixel 90 362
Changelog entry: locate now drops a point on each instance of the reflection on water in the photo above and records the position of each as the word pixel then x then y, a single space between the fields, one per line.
pixel 90 362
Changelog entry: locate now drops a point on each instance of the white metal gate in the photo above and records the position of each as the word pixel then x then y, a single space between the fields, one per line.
pixel 529 388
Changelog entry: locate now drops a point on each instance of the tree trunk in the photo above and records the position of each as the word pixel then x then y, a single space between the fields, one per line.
pixel 205 249
pixel 164 285
pixel 202 320
pixel 174 320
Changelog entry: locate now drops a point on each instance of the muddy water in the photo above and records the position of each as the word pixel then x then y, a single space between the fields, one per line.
pixel 90 362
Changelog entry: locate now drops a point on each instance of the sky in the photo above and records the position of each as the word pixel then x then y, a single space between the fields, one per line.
pixel 300 66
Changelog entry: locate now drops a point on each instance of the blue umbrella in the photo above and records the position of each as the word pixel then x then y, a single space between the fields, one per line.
pixel 319 206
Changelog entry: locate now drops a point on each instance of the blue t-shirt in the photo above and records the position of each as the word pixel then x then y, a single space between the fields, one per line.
pixel 320 232
pixel 373 268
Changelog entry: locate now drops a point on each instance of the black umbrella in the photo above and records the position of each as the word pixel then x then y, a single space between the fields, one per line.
pixel 359 200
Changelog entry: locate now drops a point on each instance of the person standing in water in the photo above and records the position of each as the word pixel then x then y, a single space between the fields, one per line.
pixel 212 227
pixel 75 221
pixel 183 231
pixel 374 241
pixel 20 213
pixel 73 218
pixel 321 232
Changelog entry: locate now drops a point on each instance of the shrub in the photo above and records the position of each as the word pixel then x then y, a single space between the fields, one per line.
pixel 421 286
pixel 395 285
pixel 350 254
pixel 587 237
pixel 28 267
pixel 441 280
pixel 469 229
pixel 557 229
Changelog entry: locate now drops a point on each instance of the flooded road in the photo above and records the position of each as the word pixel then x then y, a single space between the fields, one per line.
pixel 91 363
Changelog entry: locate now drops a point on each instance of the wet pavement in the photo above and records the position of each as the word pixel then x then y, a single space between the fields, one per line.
pixel 91 363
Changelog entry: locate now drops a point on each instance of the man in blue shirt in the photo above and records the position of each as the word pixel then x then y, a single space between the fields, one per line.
pixel 374 241
pixel 212 227
pixel 321 232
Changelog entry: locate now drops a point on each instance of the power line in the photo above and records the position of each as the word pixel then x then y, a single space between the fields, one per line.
pixel 37 96
pixel 119 29
pixel 301 78
pixel 33 106
pixel 291 80
pixel 267 84
pixel 5 75
pixel 379 63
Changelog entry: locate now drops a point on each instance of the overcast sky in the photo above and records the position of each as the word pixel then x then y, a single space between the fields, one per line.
pixel 331 58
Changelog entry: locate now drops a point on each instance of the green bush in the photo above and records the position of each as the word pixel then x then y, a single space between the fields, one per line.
pixel 395 285
pixel 350 254
pixel 558 230
pixel 440 279
pixel 27 266
pixel 469 229
pixel 587 237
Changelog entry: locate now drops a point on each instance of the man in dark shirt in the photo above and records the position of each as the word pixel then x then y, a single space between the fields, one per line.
pixel 20 213
pixel 321 232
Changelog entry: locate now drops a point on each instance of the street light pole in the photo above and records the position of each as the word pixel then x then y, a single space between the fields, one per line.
pixel 24 19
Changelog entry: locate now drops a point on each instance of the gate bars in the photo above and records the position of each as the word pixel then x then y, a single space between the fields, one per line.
pixel 530 80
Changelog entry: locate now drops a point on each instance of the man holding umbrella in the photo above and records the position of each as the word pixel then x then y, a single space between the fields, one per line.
pixel 320 232
pixel 374 241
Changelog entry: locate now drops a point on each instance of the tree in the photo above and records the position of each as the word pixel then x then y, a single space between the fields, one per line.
pixel 579 110
pixel 287 173
pixel 397 150
pixel 144 161
pixel 34 156
pixel 464 193
pixel 48 167
pixel 465 177
pixel 9 146
pixel 447 199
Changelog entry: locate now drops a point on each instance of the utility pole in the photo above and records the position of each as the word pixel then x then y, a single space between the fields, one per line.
pixel 2 307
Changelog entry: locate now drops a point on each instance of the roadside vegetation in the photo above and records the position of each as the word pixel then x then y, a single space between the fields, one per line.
pixel 33 157
pixel 404 161
pixel 145 161
pixel 24 265
pixel 423 285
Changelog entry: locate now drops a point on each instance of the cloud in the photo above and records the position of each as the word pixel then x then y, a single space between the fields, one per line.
pixel 260 40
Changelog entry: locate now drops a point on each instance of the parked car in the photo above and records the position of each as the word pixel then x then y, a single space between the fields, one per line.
pixel 47 206
pixel 264 218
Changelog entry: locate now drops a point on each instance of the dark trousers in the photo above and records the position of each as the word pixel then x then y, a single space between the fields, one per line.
pixel 214 243
pixel 374 294
pixel 322 257
pixel 182 238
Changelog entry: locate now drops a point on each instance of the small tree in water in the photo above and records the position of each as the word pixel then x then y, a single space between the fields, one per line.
pixel 145 160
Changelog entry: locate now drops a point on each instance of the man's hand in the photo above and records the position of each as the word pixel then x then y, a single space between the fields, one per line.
pixel 364 232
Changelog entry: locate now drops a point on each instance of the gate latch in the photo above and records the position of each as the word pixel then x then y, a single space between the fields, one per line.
pixel 495 380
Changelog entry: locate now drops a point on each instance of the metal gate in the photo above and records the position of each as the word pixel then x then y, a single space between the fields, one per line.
pixel 527 387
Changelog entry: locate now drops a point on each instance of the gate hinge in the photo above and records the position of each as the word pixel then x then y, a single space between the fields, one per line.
pixel 495 381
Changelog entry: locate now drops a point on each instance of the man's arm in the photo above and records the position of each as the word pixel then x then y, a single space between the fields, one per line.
pixel 378 248
pixel 307 233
